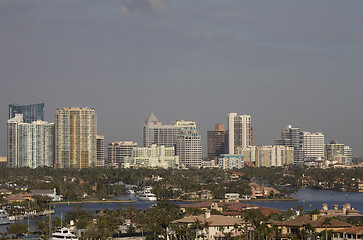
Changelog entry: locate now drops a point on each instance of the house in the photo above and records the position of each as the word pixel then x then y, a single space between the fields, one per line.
pixel 231 196
pixel 5 192
pixel 294 226
pixel 351 233
pixel 345 211
pixel 52 193
pixel 18 197
pixel 212 226
pixel 229 208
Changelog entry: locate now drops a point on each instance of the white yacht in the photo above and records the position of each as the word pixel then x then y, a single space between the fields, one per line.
pixel 63 233
pixel 146 196
pixel 4 217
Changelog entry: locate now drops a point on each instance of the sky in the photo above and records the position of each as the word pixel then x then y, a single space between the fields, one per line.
pixel 283 62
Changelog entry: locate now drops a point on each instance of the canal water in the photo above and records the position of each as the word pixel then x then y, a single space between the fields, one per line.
pixel 309 199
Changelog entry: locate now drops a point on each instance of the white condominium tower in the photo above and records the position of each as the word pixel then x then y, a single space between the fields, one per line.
pixel 31 144
pixel 312 145
pixel 75 138
pixel 13 127
pixel 239 131
pixel 189 149
pixel 154 132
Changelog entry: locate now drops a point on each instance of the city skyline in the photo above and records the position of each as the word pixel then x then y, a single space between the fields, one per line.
pixel 283 63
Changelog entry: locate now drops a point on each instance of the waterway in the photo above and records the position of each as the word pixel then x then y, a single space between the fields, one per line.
pixel 309 199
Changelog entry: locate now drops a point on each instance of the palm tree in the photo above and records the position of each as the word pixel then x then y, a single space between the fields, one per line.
pixel 326 223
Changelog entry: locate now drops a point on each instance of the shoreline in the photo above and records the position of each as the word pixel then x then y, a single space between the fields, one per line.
pixel 92 201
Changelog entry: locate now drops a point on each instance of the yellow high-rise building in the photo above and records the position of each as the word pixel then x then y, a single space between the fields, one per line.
pixel 75 138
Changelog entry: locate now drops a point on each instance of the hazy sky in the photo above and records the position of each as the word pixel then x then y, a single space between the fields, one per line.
pixel 282 62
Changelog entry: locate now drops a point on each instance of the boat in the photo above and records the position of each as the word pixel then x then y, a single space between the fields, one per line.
pixel 130 191
pixel 4 217
pixel 63 233
pixel 146 196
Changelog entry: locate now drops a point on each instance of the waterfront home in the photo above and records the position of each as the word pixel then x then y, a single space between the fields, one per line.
pixel 212 226
pixel 345 211
pixel 351 233
pixel 231 196
pixel 52 193
pixel 229 208
pixel 202 195
pixel 317 222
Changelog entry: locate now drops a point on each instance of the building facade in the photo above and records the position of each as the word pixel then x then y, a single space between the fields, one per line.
pixel 239 132
pixel 154 132
pixel 290 137
pixel 100 139
pixel 31 113
pixel 75 138
pixel 312 146
pixel 13 128
pixel 267 156
pixel 226 161
pixel 217 141
pixel 36 144
pixel 30 144
pixel 152 157
pixel 189 149
pixel 117 151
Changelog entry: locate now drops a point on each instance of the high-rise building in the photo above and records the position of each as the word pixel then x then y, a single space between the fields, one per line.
pixel 100 150
pixel 36 144
pixel 152 157
pixel 154 132
pixel 13 128
pixel 312 145
pixel 30 144
pixel 267 156
pixel 348 155
pixel 290 136
pixel 31 113
pixel 189 148
pixel 217 141
pixel 338 152
pixel 75 138
pixel 239 131
pixel 117 151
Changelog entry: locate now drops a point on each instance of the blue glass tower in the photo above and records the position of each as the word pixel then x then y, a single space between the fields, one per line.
pixel 31 113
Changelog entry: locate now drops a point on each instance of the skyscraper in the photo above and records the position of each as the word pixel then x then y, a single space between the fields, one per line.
pixel 100 150
pixel 217 141
pixel 189 148
pixel 13 128
pixel 291 137
pixel 75 138
pixel 31 113
pixel 154 132
pixel 239 131
pixel 312 145
pixel 30 144
pixel 36 144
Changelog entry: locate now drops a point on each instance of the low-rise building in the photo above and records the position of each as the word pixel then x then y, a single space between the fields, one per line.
pixel 351 233
pixel 318 223
pixel 152 157
pixel 227 161
pixel 52 193
pixel 217 226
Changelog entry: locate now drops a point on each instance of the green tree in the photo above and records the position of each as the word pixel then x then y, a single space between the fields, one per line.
pixel 17 229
